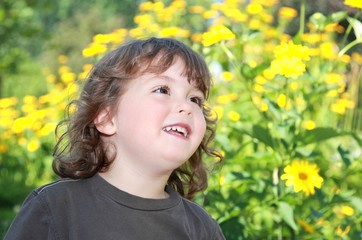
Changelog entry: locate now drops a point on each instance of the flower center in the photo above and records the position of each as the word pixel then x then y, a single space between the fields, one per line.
pixel 302 176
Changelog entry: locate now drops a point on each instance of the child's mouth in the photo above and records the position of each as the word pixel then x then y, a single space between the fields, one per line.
pixel 177 130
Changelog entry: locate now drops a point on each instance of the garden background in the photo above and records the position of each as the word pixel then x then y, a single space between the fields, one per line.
pixel 287 92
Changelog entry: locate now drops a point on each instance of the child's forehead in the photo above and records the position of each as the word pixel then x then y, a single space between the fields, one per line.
pixel 180 69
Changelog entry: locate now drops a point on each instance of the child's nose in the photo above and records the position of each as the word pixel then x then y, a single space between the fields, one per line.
pixel 184 107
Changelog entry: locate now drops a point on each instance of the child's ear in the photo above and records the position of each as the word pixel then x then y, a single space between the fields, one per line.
pixel 104 122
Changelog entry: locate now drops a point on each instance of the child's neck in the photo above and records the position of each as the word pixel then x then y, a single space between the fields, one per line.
pixel 137 183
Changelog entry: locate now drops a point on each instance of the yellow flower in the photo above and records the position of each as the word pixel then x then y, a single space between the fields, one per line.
pixel 210 14
pixel 343 210
pixel 3 147
pixel 227 76
pixel 223 99
pixel 302 176
pixel 346 58
pixel 284 102
pixel 216 34
pixel 334 27
pixel 328 50
pixel 180 4
pixel 20 124
pixel 287 13
pixel 342 232
pixel 221 180
pixel 289 49
pixel 158 6
pixel 262 105
pixel 289 59
pixel 334 78
pixel 353 3
pixel 255 23
pixel 197 9
pixel 143 20
pixel 94 49
pixel 269 73
pixel 63 69
pixel 341 105
pixel 146 6
pixel 234 116
pixel 47 129
pixel 174 32
pixel 254 8
pixel 308 124
pixel 356 57
pixel 293 86
pixel 62 59
pixel 29 99
pixel 196 37
pixel 306 226
pixel 313 37
pixel 68 77
pixel 259 88
pixel 8 102
pixel 236 15
pixel 219 111
pixel 86 69
pixel 33 145
pixel 51 78
pixel 136 32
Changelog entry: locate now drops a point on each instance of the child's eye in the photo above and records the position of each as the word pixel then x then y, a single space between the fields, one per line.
pixel 197 100
pixel 163 90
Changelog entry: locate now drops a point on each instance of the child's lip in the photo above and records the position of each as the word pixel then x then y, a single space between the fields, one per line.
pixel 183 126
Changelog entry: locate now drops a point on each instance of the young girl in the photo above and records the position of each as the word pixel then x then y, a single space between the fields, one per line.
pixel 131 157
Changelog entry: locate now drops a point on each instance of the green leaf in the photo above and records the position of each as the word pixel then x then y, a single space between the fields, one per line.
pixel 263 135
pixel 318 20
pixel 346 155
pixel 317 135
pixel 338 16
pixel 357 27
pixel 357 138
pixel 251 72
pixel 324 133
pixel 233 229
pixel 224 141
pixel 287 214
pixel 357 203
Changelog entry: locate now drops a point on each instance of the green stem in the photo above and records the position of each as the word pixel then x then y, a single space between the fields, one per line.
pixel 298 37
pixel 302 17
pixel 349 46
pixel 349 29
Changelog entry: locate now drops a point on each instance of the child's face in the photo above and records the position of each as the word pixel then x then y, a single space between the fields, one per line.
pixel 159 121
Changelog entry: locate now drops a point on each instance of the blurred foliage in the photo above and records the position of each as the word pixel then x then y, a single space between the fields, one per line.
pixel 43 30
pixel 288 100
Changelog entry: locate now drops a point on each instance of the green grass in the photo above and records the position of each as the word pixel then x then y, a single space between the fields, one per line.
pixel 28 81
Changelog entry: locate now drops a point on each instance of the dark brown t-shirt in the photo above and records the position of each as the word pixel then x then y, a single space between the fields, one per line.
pixel 94 209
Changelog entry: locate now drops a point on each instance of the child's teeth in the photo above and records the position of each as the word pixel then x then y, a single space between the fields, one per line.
pixel 176 128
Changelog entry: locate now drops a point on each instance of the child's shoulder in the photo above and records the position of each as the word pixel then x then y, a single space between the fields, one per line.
pixel 64 184
pixel 196 211
pixel 62 189
pixel 200 221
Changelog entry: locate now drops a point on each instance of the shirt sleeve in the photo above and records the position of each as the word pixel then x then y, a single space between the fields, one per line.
pixel 218 235
pixel 33 221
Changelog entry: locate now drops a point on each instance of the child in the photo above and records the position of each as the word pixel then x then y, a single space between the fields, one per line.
pixel 132 153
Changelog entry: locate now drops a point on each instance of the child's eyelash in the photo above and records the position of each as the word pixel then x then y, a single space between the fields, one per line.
pixel 199 101
pixel 162 89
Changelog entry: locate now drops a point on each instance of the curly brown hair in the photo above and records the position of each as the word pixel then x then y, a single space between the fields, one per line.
pixel 80 151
